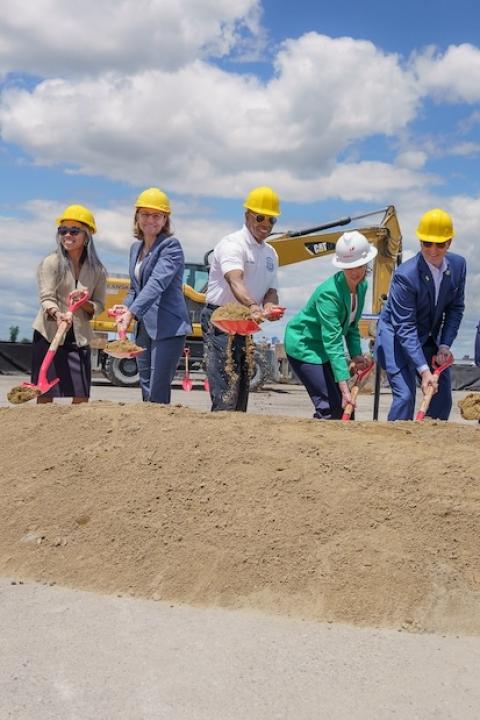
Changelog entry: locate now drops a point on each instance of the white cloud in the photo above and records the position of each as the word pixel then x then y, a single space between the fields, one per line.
pixel 203 130
pixel 54 38
pixel 411 159
pixel 465 149
pixel 451 77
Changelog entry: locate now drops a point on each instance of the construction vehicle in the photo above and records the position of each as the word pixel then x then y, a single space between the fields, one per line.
pixel 292 247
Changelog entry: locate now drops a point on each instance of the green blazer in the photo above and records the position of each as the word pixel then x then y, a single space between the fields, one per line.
pixel 316 334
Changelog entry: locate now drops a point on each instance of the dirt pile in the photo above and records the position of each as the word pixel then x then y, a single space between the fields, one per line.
pixel 373 524
pixel 470 406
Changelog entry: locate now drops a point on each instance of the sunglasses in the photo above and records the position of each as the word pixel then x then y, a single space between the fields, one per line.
pixel 262 218
pixel 63 230
pixel 427 243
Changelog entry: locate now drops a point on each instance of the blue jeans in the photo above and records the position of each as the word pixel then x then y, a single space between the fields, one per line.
pixel 228 391
pixel 157 365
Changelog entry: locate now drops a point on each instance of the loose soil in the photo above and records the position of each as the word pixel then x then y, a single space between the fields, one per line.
pixel 470 407
pixel 367 523
pixel 20 394
pixel 123 346
pixel 231 311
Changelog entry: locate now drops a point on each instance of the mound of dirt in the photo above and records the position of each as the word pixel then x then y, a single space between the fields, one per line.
pixel 367 523
pixel 470 406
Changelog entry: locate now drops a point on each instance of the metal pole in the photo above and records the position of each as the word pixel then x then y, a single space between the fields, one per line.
pixel 376 392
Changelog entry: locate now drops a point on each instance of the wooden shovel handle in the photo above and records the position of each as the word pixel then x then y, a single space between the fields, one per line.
pixel 424 404
pixel 347 412
pixel 58 337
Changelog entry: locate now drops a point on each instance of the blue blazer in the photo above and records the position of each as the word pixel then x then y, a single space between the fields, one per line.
pixel 157 299
pixel 410 316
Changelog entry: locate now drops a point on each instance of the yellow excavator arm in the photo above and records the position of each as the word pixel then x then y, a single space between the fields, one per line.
pixel 386 236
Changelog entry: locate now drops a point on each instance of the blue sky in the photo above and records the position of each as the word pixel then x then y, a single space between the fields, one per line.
pixel 342 107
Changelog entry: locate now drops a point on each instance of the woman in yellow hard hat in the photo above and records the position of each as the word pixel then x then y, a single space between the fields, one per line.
pixel 155 299
pixel 421 319
pixel 74 266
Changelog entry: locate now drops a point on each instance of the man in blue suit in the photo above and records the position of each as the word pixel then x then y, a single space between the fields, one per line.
pixel 421 319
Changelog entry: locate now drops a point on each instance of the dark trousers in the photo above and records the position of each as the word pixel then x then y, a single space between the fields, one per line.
pixel 321 386
pixel 71 364
pixel 228 390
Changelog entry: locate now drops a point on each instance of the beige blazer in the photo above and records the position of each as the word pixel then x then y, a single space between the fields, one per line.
pixel 53 293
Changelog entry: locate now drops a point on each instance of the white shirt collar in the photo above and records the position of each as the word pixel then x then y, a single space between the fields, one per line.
pixel 438 270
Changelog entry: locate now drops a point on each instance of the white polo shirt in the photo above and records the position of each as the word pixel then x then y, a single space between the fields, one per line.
pixel 240 251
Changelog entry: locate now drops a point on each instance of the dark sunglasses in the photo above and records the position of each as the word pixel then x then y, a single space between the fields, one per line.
pixel 427 243
pixel 62 230
pixel 261 218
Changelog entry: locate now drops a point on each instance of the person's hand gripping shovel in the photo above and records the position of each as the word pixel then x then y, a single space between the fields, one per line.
pixel 437 370
pixel 359 378
pixel 27 391
pixel 121 348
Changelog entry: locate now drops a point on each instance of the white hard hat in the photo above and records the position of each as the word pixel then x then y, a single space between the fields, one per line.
pixel 353 250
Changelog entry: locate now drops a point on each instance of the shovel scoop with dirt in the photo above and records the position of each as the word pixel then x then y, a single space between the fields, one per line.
pixel 236 319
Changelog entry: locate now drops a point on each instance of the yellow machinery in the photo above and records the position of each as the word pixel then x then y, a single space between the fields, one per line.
pixel 292 247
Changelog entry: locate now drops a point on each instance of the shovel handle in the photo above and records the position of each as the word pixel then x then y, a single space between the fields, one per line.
pixel 348 409
pixel 75 304
pixel 425 404
pixel 61 332
pixel 122 334
pixel 420 416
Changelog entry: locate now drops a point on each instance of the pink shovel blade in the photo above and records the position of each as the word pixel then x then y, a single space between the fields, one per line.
pixel 187 384
pixel 237 327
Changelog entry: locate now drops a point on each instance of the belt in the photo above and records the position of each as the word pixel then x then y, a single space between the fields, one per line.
pixel 212 307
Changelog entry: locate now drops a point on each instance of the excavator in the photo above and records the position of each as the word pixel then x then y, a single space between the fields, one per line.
pixel 292 247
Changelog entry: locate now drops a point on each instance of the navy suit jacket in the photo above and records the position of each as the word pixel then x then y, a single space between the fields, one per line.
pixel 410 317
pixel 157 299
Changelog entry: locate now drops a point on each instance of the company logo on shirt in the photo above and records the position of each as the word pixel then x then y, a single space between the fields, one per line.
pixel 269 264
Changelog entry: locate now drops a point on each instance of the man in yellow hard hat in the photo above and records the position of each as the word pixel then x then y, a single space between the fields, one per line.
pixel 421 319
pixel 243 270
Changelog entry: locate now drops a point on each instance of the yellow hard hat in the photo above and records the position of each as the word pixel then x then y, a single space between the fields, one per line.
pixel 155 199
pixel 79 213
pixel 263 200
pixel 435 226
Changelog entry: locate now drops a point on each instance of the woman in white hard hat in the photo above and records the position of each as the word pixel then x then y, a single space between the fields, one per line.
pixel 155 299
pixel 74 266
pixel 314 338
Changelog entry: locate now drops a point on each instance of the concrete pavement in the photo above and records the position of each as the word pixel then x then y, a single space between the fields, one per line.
pixel 71 655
